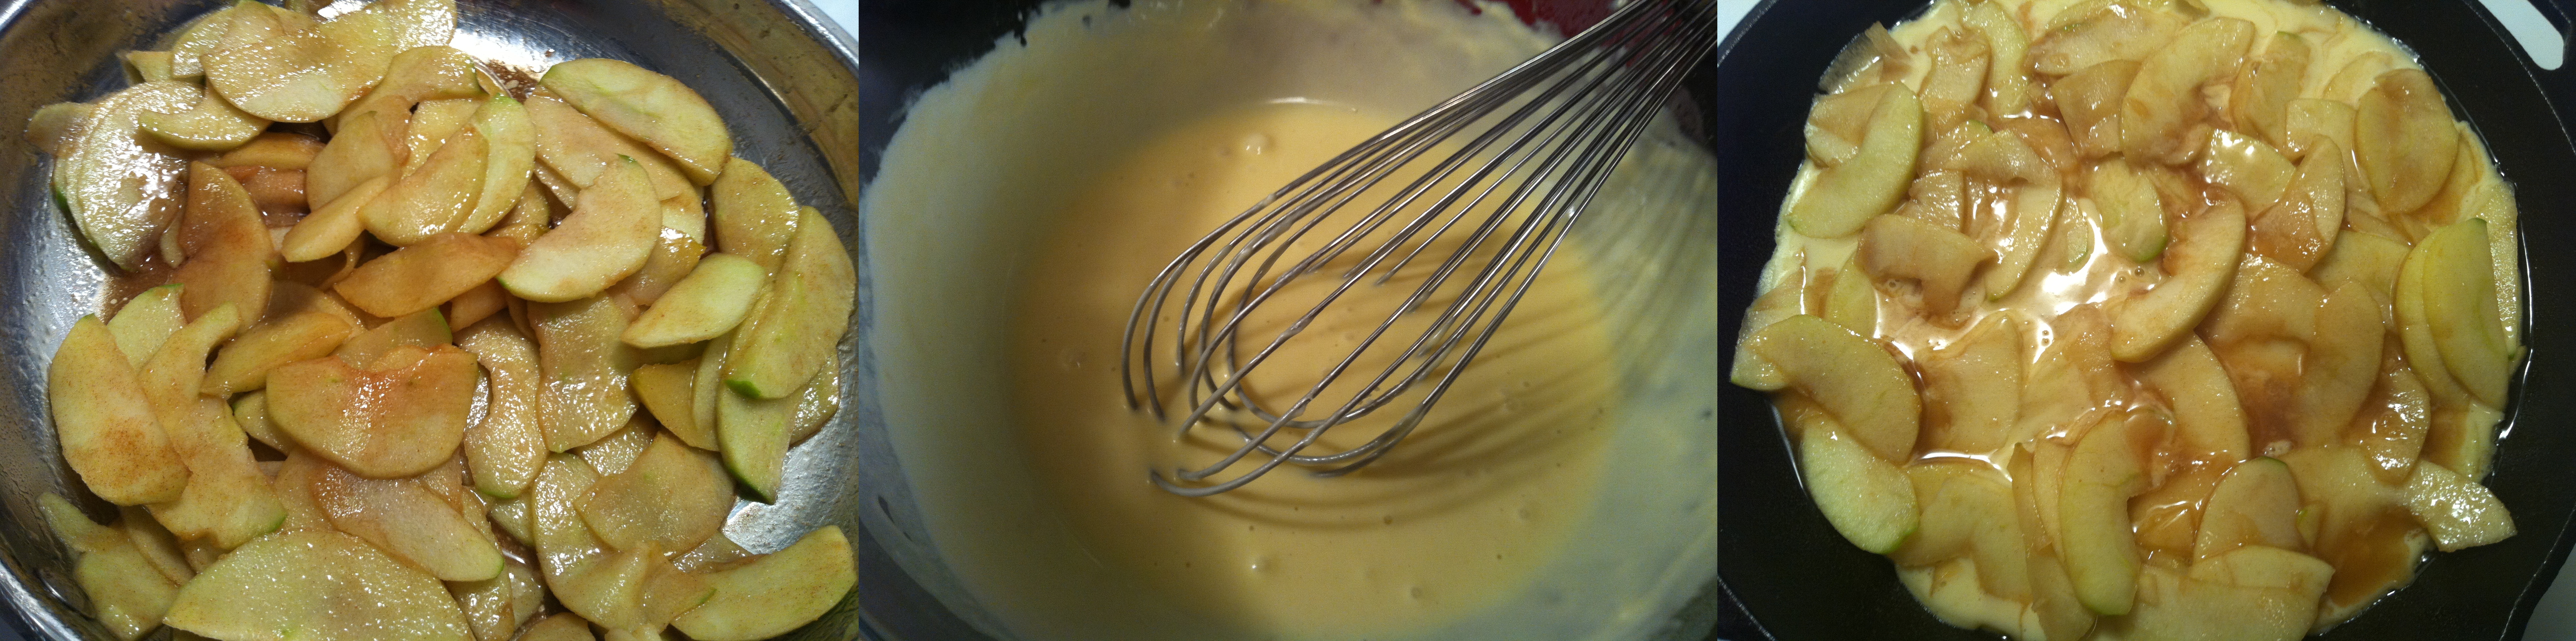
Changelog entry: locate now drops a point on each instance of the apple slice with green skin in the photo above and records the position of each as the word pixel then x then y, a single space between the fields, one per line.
pixel 800 329
pixel 754 215
pixel 563 626
pixel 2404 139
pixel 652 108
pixel 511 142
pixel 675 254
pixel 777 594
pixel 2163 109
pixel 511 517
pixel 1950 516
pixel 496 607
pixel 2133 215
pixel 126 591
pixel 408 521
pixel 579 150
pixel 1838 121
pixel 418 75
pixel 752 433
pixel 423 329
pixel 2257 503
pixel 709 302
pixel 251 411
pixel 157 544
pixel 2199 268
pixel 1844 197
pixel 300 583
pixel 227 247
pixel 243 365
pixel 672 495
pixel 2208 417
pixel 2052 595
pixel 121 194
pixel 363 150
pixel 2415 329
pixel 228 501
pixel 612 454
pixel 427 200
pixel 109 432
pixel 2460 305
pixel 174 376
pixel 609 235
pixel 815 406
pixel 144 322
pixel 214 125
pixel 667 391
pixel 432 124
pixel 1855 380
pixel 426 274
pixel 2459 512
pixel 584 370
pixel 508 447
pixel 2095 535
pixel 332 227
pixel 400 419
pixel 1866 498
pixel 283 66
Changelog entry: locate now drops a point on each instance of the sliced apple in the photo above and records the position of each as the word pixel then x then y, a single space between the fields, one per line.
pixel 302 581
pixel 563 626
pixel 1960 63
pixel 652 108
pixel 815 406
pixel 331 229
pixel 799 329
pixel 1974 385
pixel 706 304
pixel 2394 421
pixel 214 125
pixel 1855 380
pixel 2243 165
pixel 363 150
pixel 2462 438
pixel 2343 363
pixel 2199 267
pixel 675 254
pixel 273 150
pixel 2089 101
pixel 381 423
pixel 1835 124
pixel 584 369
pixel 578 149
pixel 120 194
pixel 106 423
pixel 2415 329
pixel 2096 539
pixel 424 329
pixel 608 236
pixel 2001 158
pixel 508 447
pixel 2053 600
pixel 283 66
pixel 2092 33
pixel 228 501
pixel 667 391
pixel 430 272
pixel 2404 140
pixel 432 124
pixel 408 521
pixel 2257 503
pixel 672 495
pixel 754 215
pixel 415 23
pixel 2161 116
pixel 127 591
pixel 200 37
pixel 512 144
pixel 2133 216
pixel 2208 418
pixel 2310 122
pixel 753 434
pixel 145 321
pixel 496 607
pixel 2305 222
pixel 2460 305
pixel 2459 512
pixel 1902 248
pixel 612 454
pixel 1950 516
pixel 425 202
pixel 226 244
pixel 2257 593
pixel 2259 101
pixel 1839 201
pixel 420 74
pixel 777 594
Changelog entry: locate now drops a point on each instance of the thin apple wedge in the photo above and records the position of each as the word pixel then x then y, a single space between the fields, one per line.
pixel 2260 99
pixel 420 74
pixel 667 391
pixel 424 329
pixel 228 501
pixel 612 454
pixel 426 201
pixel 754 215
pixel 2091 33
pixel 251 411
pixel 302 581
pixel 2133 215
pixel 1975 383
pixel 432 124
pixel 800 326
pixel 1855 380
pixel 362 151
pixel 777 594
pixel 564 626
pixel 145 321
pixel 1940 260
pixel 507 448
pixel 815 406
pixel 127 591
pixel 2404 140
pixel 2243 165
pixel 333 227
pixel 2095 535
pixel 243 365
pixel 2198 269
pixel 227 247
pixel 706 304
pixel 752 433
pixel 650 107
pixel 284 66
pixel 386 422
pixel 273 150
pixel 2161 116
pixel 214 125
pixel 496 607
pixel 106 423
pixel 2460 306
pixel 577 149
pixel 584 369
pixel 511 142
pixel 426 274
pixel 406 520
pixel 119 193
pixel 675 254
pixel 2001 158
pixel 2459 512
pixel 2257 503
pixel 609 235
pixel 188 49
pixel 2208 418
pixel 1844 197
pixel 672 495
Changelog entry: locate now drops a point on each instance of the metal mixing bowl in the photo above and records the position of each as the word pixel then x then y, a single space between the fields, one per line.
pixel 785 81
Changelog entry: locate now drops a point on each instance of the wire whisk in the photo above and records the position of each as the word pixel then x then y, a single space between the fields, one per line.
pixel 1521 156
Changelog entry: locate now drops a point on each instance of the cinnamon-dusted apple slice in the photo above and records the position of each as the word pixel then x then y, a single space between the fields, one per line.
pixel 584 369
pixel 709 302
pixel 430 272
pixel 427 200
pixel 145 321
pixel 303 581
pixel 815 406
pixel 408 521
pixel 109 432
pixel 754 216
pixel 120 194
pixel 126 590
pixel 417 75
pixel 577 149
pixel 332 227
pixel 227 247
pixel 777 594
pixel 2198 269
pixel 675 254
pixel 200 37
pixel 609 235
pixel 424 329
pixel 228 501
pixel 2298 230
pixel 673 495
pixel 668 391
pixel 273 150
pixel 243 365
pixel 2405 140
pixel 2161 119
pixel 363 150
pixel 1864 496
pixel 507 448
pixel 511 143
pixel 1854 379
pixel 1843 197
pixel 401 418
pixel 653 108
pixel 496 607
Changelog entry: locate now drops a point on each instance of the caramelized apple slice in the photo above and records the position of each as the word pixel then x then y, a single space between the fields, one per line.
pixel 1960 63
pixel 1836 204
pixel 362 151
pixel 2096 539
pixel 214 125
pixel 430 272
pixel 1834 130
pixel 1855 380
pixel 2460 306
pixel 2161 119
pixel 2259 102
pixel 1866 498
pixel 2133 216
pixel 2310 122
pixel 2404 139
pixel 2008 89
pixel 798 330
pixel 425 202
pixel 2297 231
pixel 2003 159
pixel 398 420
pixel 244 364
pixel 226 245
pixel 2207 416
pixel 584 369
pixel 1974 384
pixel 2342 364
pixel 2053 601
pixel 283 66
pixel 2091 33
pixel 303 581
pixel 408 521
pixel 2089 101
pixel 2244 166
pixel 109 432
pixel 118 192
pixel 2199 269
pixel 653 108
pixel 2256 504
pixel 1902 248
pixel 508 447
pixel 608 236
pixel 672 495
pixel 417 75
pixel 2459 512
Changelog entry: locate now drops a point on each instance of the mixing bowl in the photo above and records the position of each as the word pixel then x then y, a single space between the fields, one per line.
pixel 784 80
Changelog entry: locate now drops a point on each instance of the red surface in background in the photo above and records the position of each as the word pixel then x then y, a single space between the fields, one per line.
pixel 1569 16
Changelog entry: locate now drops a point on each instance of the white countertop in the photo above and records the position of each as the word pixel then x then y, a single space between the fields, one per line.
pixel 2555 619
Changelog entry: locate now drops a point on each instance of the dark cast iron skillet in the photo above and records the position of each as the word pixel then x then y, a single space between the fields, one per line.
pixel 1792 577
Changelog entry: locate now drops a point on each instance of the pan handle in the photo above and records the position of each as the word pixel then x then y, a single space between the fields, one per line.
pixel 2560 14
